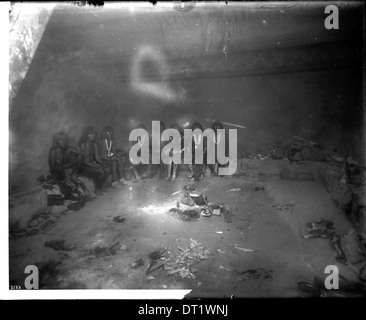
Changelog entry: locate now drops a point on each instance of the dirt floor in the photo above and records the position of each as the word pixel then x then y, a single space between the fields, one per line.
pixel 269 217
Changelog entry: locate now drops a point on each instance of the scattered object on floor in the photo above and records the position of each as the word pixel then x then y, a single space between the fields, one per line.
pixel 39 223
pixel 337 245
pixel 351 249
pixel 76 205
pixel 258 188
pixel 199 199
pixel 55 200
pixel 157 254
pixel 347 288
pixel 320 224
pixel 117 185
pixel 317 289
pixel 150 265
pixel 58 245
pixel 220 251
pixel 182 264
pixel 177 192
pixel 234 190
pixel 59 191
pixel 244 249
pixel 16 233
pixel 189 188
pixel 150 277
pixel 121 184
pixel 256 274
pixel 86 187
pixel 188 201
pixel 150 268
pixel 41 179
pixel 49 274
pixel 319 229
pixel 227 213
pixel 309 289
pixel 201 207
pixel 283 207
pixel 206 212
pixel 191 199
pixel 215 208
pixel 106 251
pixel 119 219
pixel 219 232
pixel 193 195
pixel 185 215
pixel 354 246
pixel 138 263
pixel 240 248
pixel 223 268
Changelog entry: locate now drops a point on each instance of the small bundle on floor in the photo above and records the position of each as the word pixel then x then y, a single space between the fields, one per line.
pixel 350 249
pixel 182 264
pixel 188 215
pixel 192 205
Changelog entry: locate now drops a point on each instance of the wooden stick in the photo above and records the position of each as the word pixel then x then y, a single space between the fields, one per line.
pixel 311 142
pixel 227 123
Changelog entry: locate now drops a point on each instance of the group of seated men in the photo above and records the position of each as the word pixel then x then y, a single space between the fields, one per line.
pixel 98 159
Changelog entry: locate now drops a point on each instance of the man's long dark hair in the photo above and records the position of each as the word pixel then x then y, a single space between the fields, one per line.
pixel 85 133
pixel 217 125
pixel 57 136
pixel 197 125
pixel 176 126
pixel 105 130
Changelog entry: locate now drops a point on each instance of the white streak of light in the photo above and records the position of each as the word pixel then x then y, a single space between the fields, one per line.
pixel 156 89
pixel 159 209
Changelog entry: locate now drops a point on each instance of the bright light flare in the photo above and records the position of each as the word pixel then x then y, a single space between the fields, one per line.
pixel 156 89
pixel 154 209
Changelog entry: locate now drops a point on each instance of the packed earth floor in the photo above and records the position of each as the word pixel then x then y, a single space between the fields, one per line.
pixel 268 218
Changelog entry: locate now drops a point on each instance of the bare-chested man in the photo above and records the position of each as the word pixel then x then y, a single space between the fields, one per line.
pixel 172 167
pixel 92 165
pixel 140 171
pixel 61 164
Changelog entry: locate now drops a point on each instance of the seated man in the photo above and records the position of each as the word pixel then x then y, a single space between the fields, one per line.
pixel 108 154
pixel 196 170
pixel 162 165
pixel 172 167
pixel 73 159
pixel 92 165
pixel 60 163
pixel 56 156
pixel 139 171
pixel 214 168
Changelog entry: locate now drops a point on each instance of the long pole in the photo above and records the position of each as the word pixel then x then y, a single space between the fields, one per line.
pixel 227 123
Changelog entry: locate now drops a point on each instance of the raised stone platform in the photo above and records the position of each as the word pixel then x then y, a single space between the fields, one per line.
pixel 349 198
